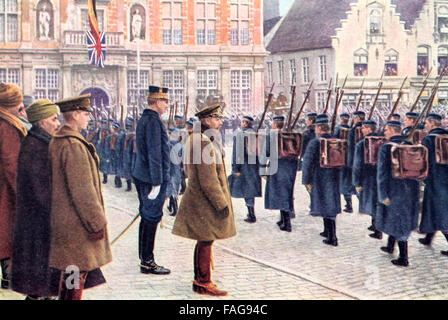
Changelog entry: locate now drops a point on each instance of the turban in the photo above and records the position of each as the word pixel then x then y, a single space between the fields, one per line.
pixel 10 95
pixel 41 109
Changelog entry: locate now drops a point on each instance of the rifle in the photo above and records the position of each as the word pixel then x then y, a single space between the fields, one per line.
pixel 329 91
pixel 308 92
pixel 421 91
pixel 170 115
pixel 400 93
pixel 376 97
pixel 122 122
pixel 268 101
pixel 337 104
pixel 291 108
pixel 186 109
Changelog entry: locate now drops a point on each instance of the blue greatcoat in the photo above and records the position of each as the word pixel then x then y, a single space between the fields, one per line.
pixel 435 199
pixel 345 181
pixel 175 170
pixel 364 175
pixel 119 150
pixel 279 189
pixel 128 153
pixel 152 164
pixel 248 184
pixel 325 195
pixel 351 144
pixel 401 216
pixel 308 135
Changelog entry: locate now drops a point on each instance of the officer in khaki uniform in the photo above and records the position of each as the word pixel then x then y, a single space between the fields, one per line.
pixel 205 211
pixel 79 236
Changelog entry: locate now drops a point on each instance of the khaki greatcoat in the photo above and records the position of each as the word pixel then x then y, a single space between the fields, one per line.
pixel 77 207
pixel 206 195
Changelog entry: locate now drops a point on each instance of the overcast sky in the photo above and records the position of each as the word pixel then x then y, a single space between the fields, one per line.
pixel 284 6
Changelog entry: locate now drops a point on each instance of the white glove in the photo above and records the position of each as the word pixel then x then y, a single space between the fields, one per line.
pixel 154 193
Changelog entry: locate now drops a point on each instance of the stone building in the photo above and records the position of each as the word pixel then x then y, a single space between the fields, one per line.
pixel 194 47
pixel 322 40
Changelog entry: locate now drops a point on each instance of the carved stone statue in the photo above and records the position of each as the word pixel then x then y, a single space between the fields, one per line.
pixel 136 25
pixel 44 24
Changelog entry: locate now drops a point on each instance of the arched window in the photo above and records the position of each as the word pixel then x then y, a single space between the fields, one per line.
pixel 9 21
pixel 360 65
pixel 44 21
pixel 391 63
pixel 422 60
pixel 442 59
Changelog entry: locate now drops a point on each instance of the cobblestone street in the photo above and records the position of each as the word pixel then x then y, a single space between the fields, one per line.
pixel 262 262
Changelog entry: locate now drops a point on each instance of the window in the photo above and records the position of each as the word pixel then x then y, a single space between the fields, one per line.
pixel 321 100
pixel 306 70
pixel 85 19
pixel 206 22
pixel 280 72
pixel 360 66
pixel 293 71
pixel 270 75
pixel 240 92
pixel 375 22
pixel 47 84
pixel 174 80
pixel 442 59
pixel 10 76
pixel 137 92
pixel 422 61
pixel 239 22
pixel 323 68
pixel 207 82
pixel 9 21
pixel 172 22
pixel 391 63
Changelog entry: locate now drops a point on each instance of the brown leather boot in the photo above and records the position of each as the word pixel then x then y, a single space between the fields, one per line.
pixel 209 289
pixel 72 293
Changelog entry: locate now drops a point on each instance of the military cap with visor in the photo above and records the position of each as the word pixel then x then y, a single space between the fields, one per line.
pixel 75 103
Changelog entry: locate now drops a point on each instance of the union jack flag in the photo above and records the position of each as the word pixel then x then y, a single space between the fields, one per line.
pixel 97 48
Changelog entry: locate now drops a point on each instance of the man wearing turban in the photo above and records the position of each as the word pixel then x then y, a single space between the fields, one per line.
pixel 30 272
pixel 12 133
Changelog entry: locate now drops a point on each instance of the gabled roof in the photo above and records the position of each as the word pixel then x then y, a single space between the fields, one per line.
pixel 409 10
pixel 310 24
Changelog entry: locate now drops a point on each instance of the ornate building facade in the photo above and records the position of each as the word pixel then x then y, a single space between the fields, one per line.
pixel 322 40
pixel 194 47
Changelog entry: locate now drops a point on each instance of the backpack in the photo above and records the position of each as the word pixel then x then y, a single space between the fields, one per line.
pixel 290 145
pixel 372 145
pixel 333 152
pixel 441 147
pixel 409 161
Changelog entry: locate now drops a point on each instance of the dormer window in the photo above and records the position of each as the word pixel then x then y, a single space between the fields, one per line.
pixel 375 22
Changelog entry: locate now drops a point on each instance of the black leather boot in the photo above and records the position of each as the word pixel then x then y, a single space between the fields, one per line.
pixel 331 239
pixel 325 232
pixel 129 185
pixel 287 219
pixel 250 215
pixel 118 183
pixel 445 253
pixel 403 259
pixel 390 245
pixel 281 222
pixel 428 239
pixel 175 206
pixel 104 178
pixel 147 234
pixel 6 272
pixel 348 204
